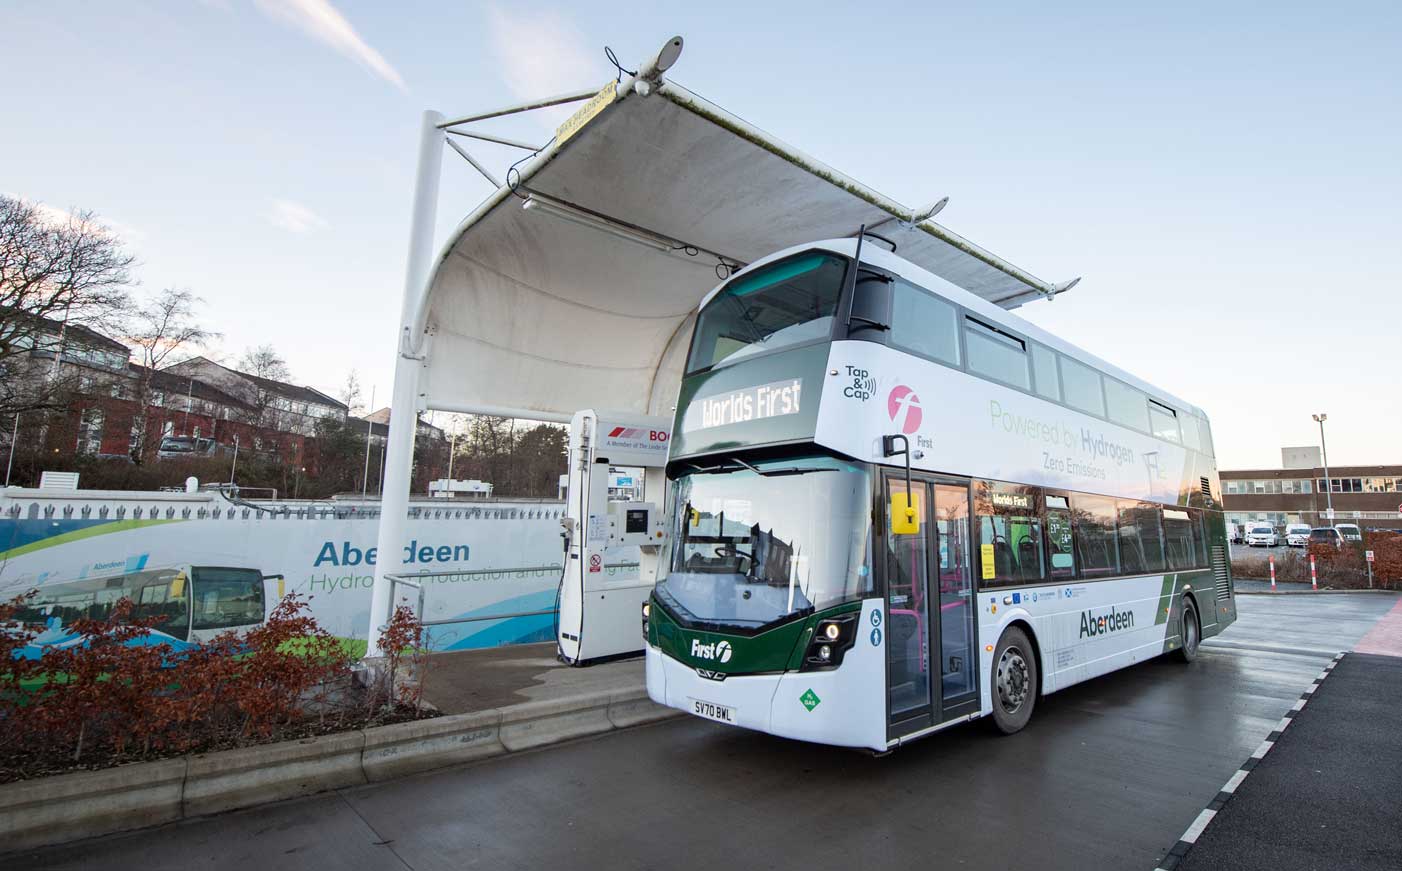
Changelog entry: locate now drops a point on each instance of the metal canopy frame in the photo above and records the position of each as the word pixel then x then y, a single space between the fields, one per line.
pixel 679 253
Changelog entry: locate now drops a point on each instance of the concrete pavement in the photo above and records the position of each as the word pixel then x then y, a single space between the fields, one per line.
pixel 1106 776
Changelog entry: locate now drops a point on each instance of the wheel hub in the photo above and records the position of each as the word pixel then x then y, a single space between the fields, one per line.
pixel 1012 680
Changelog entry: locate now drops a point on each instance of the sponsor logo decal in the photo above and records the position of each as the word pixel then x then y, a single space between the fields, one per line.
pixel 904 408
pixel 810 700
pixel 862 385
pixel 1103 624
pixel 631 432
pixel 716 650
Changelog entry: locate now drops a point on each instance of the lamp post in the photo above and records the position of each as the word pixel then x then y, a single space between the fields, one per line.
pixel 1324 448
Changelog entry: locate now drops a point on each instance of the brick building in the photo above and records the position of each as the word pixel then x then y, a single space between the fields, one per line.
pixel 1299 492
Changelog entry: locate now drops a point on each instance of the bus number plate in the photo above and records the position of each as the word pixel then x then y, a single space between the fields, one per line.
pixel 713 711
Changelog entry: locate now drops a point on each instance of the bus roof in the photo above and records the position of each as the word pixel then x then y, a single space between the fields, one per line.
pixel 875 254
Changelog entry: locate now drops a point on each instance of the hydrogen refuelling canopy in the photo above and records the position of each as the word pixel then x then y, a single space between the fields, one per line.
pixel 575 284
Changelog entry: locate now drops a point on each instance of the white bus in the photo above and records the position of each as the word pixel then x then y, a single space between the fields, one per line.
pixel 896 507
pixel 192 603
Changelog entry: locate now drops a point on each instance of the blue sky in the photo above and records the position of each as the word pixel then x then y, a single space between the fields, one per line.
pixel 1225 176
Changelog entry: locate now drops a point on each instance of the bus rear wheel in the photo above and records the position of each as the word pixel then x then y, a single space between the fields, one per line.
pixel 1189 632
pixel 1014 681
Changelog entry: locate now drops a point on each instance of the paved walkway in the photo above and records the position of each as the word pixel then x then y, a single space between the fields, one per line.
pixel 1325 795
pixel 477 680
pixel 1385 638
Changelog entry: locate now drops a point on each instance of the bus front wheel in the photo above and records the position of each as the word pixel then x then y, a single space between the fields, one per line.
pixel 1014 681
pixel 1189 632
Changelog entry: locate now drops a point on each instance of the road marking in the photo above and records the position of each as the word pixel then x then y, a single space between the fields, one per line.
pixel 1175 855
pixel 1191 836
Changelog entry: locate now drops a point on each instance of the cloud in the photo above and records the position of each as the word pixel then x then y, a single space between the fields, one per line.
pixel 294 217
pixel 542 53
pixel 322 22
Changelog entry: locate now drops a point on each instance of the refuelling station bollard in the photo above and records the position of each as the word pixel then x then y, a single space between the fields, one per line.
pixel 1272 559
pixel 1314 578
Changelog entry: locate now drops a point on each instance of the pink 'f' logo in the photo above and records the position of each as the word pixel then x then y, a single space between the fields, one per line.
pixel 904 408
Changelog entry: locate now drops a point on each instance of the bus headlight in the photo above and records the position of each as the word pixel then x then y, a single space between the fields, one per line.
pixel 832 638
pixel 647 611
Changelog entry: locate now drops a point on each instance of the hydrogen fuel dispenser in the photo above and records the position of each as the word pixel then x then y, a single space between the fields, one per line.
pixel 600 608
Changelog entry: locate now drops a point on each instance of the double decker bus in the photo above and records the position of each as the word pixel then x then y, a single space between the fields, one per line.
pixel 896 507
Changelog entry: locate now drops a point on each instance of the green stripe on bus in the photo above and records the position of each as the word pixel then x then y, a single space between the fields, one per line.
pixel 80 534
pixel 1170 582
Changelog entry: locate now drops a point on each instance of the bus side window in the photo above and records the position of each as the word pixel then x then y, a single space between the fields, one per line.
pixel 1178 528
pixel 1096 544
pixel 165 599
pixel 1059 539
pixel 1200 534
pixel 1141 539
pixel 1010 534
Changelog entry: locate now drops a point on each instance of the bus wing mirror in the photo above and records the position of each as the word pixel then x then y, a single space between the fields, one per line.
pixel 871 303
pixel 905 517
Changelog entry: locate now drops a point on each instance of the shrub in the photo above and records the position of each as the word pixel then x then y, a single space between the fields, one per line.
pixel 116 696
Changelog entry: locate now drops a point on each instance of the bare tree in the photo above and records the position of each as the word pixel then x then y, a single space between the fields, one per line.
pixel 351 394
pixel 160 331
pixel 54 273
pixel 264 362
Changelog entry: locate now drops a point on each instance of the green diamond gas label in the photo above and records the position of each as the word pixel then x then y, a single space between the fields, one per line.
pixel 810 700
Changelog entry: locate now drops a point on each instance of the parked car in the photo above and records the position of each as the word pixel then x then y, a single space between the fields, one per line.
pixel 1297 534
pixel 1349 531
pixel 1327 536
pixel 1262 535
pixel 185 446
pixel 1234 533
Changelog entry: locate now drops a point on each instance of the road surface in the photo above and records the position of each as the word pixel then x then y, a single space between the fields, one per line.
pixel 1106 776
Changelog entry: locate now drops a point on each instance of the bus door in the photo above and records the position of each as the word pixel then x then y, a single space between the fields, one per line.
pixel 931 652
pixel 958 671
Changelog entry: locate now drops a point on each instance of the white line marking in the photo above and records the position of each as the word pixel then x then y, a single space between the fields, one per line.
pixel 1310 691
pixel 1263 750
pixel 1299 705
pixel 1231 785
pixel 1191 836
pixel 1284 721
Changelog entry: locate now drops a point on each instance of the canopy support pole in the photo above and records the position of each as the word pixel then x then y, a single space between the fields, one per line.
pixel 408 367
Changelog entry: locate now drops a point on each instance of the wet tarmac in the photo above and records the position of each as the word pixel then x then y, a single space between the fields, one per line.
pixel 1107 776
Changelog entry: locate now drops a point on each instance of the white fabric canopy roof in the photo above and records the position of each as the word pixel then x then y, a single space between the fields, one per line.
pixel 539 312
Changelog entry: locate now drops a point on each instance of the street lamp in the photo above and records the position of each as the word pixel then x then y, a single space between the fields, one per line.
pixel 1328 488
